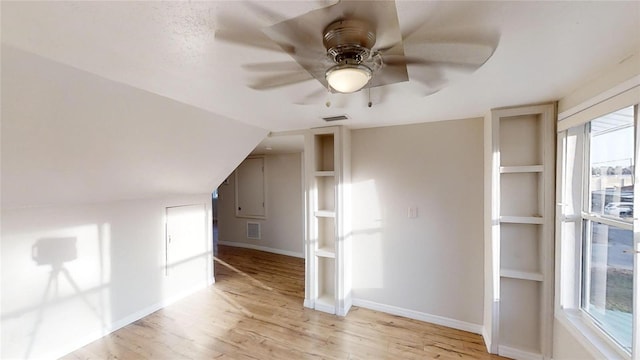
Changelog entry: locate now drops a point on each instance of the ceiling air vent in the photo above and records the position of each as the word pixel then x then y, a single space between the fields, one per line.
pixel 335 118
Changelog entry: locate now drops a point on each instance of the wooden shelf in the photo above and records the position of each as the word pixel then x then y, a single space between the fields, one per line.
pixel 521 169
pixel 326 251
pixel 521 275
pixel 325 173
pixel 325 213
pixel 522 219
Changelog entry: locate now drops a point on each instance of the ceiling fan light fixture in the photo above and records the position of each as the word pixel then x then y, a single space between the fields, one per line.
pixel 348 78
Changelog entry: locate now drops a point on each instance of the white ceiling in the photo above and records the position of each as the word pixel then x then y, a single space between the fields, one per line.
pixel 545 50
pixel 73 147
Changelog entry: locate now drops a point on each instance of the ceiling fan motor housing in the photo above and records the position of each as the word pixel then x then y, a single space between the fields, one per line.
pixel 348 41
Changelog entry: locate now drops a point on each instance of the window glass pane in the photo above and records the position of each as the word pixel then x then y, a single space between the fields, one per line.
pixel 612 165
pixel 608 280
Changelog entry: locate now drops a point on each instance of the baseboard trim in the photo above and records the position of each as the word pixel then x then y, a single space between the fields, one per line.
pixel 262 248
pixel 485 337
pixel 325 308
pixel 343 311
pixel 417 315
pixel 129 319
pixel 518 354
pixel 308 303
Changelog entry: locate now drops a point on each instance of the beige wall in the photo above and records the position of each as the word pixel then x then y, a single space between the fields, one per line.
pixel 431 264
pixel 282 230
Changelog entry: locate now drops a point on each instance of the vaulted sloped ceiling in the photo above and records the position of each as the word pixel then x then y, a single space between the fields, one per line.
pixel 544 50
pixel 70 137
pixel 116 100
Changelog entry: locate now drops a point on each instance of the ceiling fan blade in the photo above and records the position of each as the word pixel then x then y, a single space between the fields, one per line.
pixel 386 49
pixel 449 21
pixel 274 66
pixel 396 47
pixel 453 52
pixel 429 81
pixel 276 81
pixel 403 61
pixel 314 98
pixel 263 11
pixel 351 9
pixel 293 35
pixel 252 39
pixel 457 56
pixel 241 32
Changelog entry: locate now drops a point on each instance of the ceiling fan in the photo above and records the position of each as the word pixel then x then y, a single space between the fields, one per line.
pixel 355 45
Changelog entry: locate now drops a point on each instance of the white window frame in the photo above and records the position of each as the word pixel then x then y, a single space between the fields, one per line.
pixel 569 247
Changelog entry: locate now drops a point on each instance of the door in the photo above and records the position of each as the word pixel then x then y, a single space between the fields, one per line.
pixel 250 188
pixel 186 239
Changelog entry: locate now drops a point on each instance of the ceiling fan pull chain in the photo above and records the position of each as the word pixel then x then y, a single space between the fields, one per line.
pixel 369 104
pixel 328 102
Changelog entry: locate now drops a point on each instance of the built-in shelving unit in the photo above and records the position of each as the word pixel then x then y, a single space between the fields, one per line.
pixel 519 195
pixel 328 241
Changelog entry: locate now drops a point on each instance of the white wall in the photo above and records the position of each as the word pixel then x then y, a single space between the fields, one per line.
pixel 112 259
pixel 282 230
pixel 88 166
pixel 431 264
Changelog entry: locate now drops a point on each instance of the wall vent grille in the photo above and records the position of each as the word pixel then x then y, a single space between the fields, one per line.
pixel 335 118
pixel 253 230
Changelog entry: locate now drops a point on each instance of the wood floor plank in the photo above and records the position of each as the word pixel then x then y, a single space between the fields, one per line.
pixel 254 311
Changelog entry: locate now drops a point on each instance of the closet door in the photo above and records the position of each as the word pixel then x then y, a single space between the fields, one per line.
pixel 250 199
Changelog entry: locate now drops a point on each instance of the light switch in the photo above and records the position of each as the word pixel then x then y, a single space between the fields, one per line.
pixel 412 213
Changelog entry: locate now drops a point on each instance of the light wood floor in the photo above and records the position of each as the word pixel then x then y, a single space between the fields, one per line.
pixel 254 311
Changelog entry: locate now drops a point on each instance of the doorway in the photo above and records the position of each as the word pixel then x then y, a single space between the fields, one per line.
pixel 282 222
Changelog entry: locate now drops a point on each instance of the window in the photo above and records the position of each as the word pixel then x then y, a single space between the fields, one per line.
pixel 607 220
pixel 598 230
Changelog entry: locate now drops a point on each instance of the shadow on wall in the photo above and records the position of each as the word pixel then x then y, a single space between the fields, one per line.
pixel 54 282
pixel 53 253
pixel 65 285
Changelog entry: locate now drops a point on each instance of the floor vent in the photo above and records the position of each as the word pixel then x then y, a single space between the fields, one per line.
pixel 336 118
pixel 253 230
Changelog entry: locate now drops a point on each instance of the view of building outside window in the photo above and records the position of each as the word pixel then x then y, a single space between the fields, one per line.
pixel 607 277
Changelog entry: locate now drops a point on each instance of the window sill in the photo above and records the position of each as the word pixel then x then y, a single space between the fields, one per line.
pixel 587 336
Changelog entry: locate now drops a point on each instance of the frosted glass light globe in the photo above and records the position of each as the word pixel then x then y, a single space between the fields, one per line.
pixel 348 78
